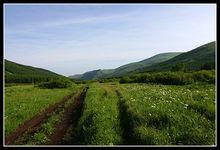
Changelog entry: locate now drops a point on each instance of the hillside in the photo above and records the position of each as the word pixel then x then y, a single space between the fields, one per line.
pixel 123 70
pixel 193 59
pixel 15 72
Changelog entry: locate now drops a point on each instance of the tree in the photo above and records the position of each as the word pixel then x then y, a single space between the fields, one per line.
pixel 208 66
pixel 179 67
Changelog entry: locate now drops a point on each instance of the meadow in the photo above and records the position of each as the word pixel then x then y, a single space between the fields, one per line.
pixel 22 102
pixel 148 114
pixel 170 115
pixel 100 121
pixel 120 114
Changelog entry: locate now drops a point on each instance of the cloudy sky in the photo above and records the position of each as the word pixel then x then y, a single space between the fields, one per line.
pixel 73 39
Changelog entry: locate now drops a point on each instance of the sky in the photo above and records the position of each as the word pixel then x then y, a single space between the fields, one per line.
pixel 73 39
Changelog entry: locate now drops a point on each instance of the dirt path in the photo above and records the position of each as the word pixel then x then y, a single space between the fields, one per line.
pixel 70 118
pixel 34 123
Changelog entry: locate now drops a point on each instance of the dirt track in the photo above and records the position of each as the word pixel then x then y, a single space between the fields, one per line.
pixel 35 123
pixel 70 118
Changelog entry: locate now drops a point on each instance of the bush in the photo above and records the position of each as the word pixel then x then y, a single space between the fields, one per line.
pixel 179 67
pixel 26 78
pixel 204 76
pixel 56 83
pixel 208 66
pixel 169 78
pixel 125 80
pixel 105 80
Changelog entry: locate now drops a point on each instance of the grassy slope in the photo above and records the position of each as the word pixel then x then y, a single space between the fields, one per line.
pixel 12 68
pixel 194 58
pixel 144 63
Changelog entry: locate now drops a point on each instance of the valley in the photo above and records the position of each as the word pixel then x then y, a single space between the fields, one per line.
pixel 168 99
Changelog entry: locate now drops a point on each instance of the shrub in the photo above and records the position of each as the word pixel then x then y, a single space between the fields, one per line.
pixel 204 76
pixel 208 66
pixel 167 78
pixel 177 78
pixel 55 83
pixel 125 80
pixel 179 67
pixel 171 78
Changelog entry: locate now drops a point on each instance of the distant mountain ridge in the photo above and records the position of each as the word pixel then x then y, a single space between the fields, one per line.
pixel 194 59
pixel 123 70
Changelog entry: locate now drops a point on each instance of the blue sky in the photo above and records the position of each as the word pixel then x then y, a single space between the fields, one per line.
pixel 73 39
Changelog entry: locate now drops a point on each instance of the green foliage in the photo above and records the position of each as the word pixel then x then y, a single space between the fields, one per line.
pixel 208 66
pixel 105 80
pixel 179 67
pixel 171 78
pixel 56 83
pixel 204 76
pixel 27 78
pixel 125 80
pixel 39 138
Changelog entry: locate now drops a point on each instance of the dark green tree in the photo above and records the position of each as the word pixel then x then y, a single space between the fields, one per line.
pixel 179 67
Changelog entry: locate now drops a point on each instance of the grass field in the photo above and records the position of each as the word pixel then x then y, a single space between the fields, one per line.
pixel 159 114
pixel 122 114
pixel 22 102
pixel 100 123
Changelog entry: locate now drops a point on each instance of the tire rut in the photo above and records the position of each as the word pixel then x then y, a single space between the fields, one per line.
pixel 125 121
pixel 70 118
pixel 35 122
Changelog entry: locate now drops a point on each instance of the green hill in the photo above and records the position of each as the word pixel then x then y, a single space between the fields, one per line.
pixel 92 75
pixel 125 69
pixel 15 72
pixel 192 60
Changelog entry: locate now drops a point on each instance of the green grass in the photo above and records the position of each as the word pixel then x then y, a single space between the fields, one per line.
pixel 100 124
pixel 146 114
pixel 162 114
pixel 41 136
pixel 24 101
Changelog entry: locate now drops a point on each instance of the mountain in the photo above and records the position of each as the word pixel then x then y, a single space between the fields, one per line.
pixel 13 68
pixel 193 59
pixel 15 72
pixel 123 70
pixel 92 75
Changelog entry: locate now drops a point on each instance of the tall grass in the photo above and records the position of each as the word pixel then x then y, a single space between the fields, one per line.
pixel 25 101
pixel 161 114
pixel 99 124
